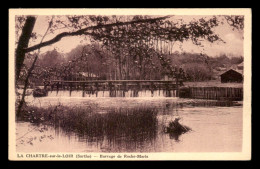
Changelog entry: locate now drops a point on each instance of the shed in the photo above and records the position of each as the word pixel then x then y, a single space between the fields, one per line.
pixel 231 76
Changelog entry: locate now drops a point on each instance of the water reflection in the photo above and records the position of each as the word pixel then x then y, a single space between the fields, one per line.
pixel 99 125
pixel 121 127
pixel 175 136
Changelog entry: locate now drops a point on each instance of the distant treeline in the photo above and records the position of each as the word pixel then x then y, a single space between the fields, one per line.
pixel 201 67
pixel 103 64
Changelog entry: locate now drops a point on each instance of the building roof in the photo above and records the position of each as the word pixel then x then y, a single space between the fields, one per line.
pixel 238 71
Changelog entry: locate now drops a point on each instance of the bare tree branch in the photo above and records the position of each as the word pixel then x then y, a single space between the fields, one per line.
pixel 83 32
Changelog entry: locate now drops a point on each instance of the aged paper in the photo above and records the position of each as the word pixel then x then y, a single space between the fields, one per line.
pixel 137 103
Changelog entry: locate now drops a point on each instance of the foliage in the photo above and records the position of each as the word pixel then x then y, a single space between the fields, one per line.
pixel 132 36
pixel 197 72
pixel 199 67
pixel 50 59
pixel 96 61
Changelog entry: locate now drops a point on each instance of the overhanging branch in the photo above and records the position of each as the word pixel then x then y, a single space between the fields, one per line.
pixel 83 32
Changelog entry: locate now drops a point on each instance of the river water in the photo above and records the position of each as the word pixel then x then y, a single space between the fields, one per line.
pixel 215 127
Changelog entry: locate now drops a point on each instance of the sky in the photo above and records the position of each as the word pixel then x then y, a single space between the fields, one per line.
pixel 232 47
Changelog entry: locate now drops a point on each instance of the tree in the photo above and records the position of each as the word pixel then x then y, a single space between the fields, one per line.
pixel 23 43
pixel 80 26
pixel 123 37
pixel 73 22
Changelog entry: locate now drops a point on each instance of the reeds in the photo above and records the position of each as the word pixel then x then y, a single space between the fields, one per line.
pixel 135 124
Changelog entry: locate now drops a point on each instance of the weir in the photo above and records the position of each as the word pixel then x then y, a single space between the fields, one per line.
pixel 114 88
pixel 129 93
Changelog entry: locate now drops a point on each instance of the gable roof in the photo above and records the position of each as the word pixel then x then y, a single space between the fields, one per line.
pixel 237 71
pixel 240 71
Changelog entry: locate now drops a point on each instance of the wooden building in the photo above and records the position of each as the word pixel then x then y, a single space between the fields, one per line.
pixel 231 76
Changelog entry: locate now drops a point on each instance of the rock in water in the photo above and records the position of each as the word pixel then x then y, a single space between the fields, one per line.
pixel 176 127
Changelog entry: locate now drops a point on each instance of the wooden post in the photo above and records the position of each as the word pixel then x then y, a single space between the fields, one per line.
pixel 57 86
pixel 83 90
pixel 70 88
pixel 124 88
pixel 96 84
pixel 110 89
pixel 152 88
pixel 177 86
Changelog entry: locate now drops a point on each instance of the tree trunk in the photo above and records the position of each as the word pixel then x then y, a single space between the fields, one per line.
pixel 23 43
pixel 25 87
pixel 120 67
pixel 141 67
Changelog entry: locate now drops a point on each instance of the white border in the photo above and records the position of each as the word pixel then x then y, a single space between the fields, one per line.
pixel 246 148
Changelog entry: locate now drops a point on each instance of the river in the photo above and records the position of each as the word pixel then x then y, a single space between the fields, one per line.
pixel 215 127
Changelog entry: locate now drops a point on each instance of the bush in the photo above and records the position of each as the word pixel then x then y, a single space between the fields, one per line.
pixel 197 72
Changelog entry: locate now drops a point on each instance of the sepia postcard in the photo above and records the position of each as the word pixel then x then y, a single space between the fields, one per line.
pixel 129 84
